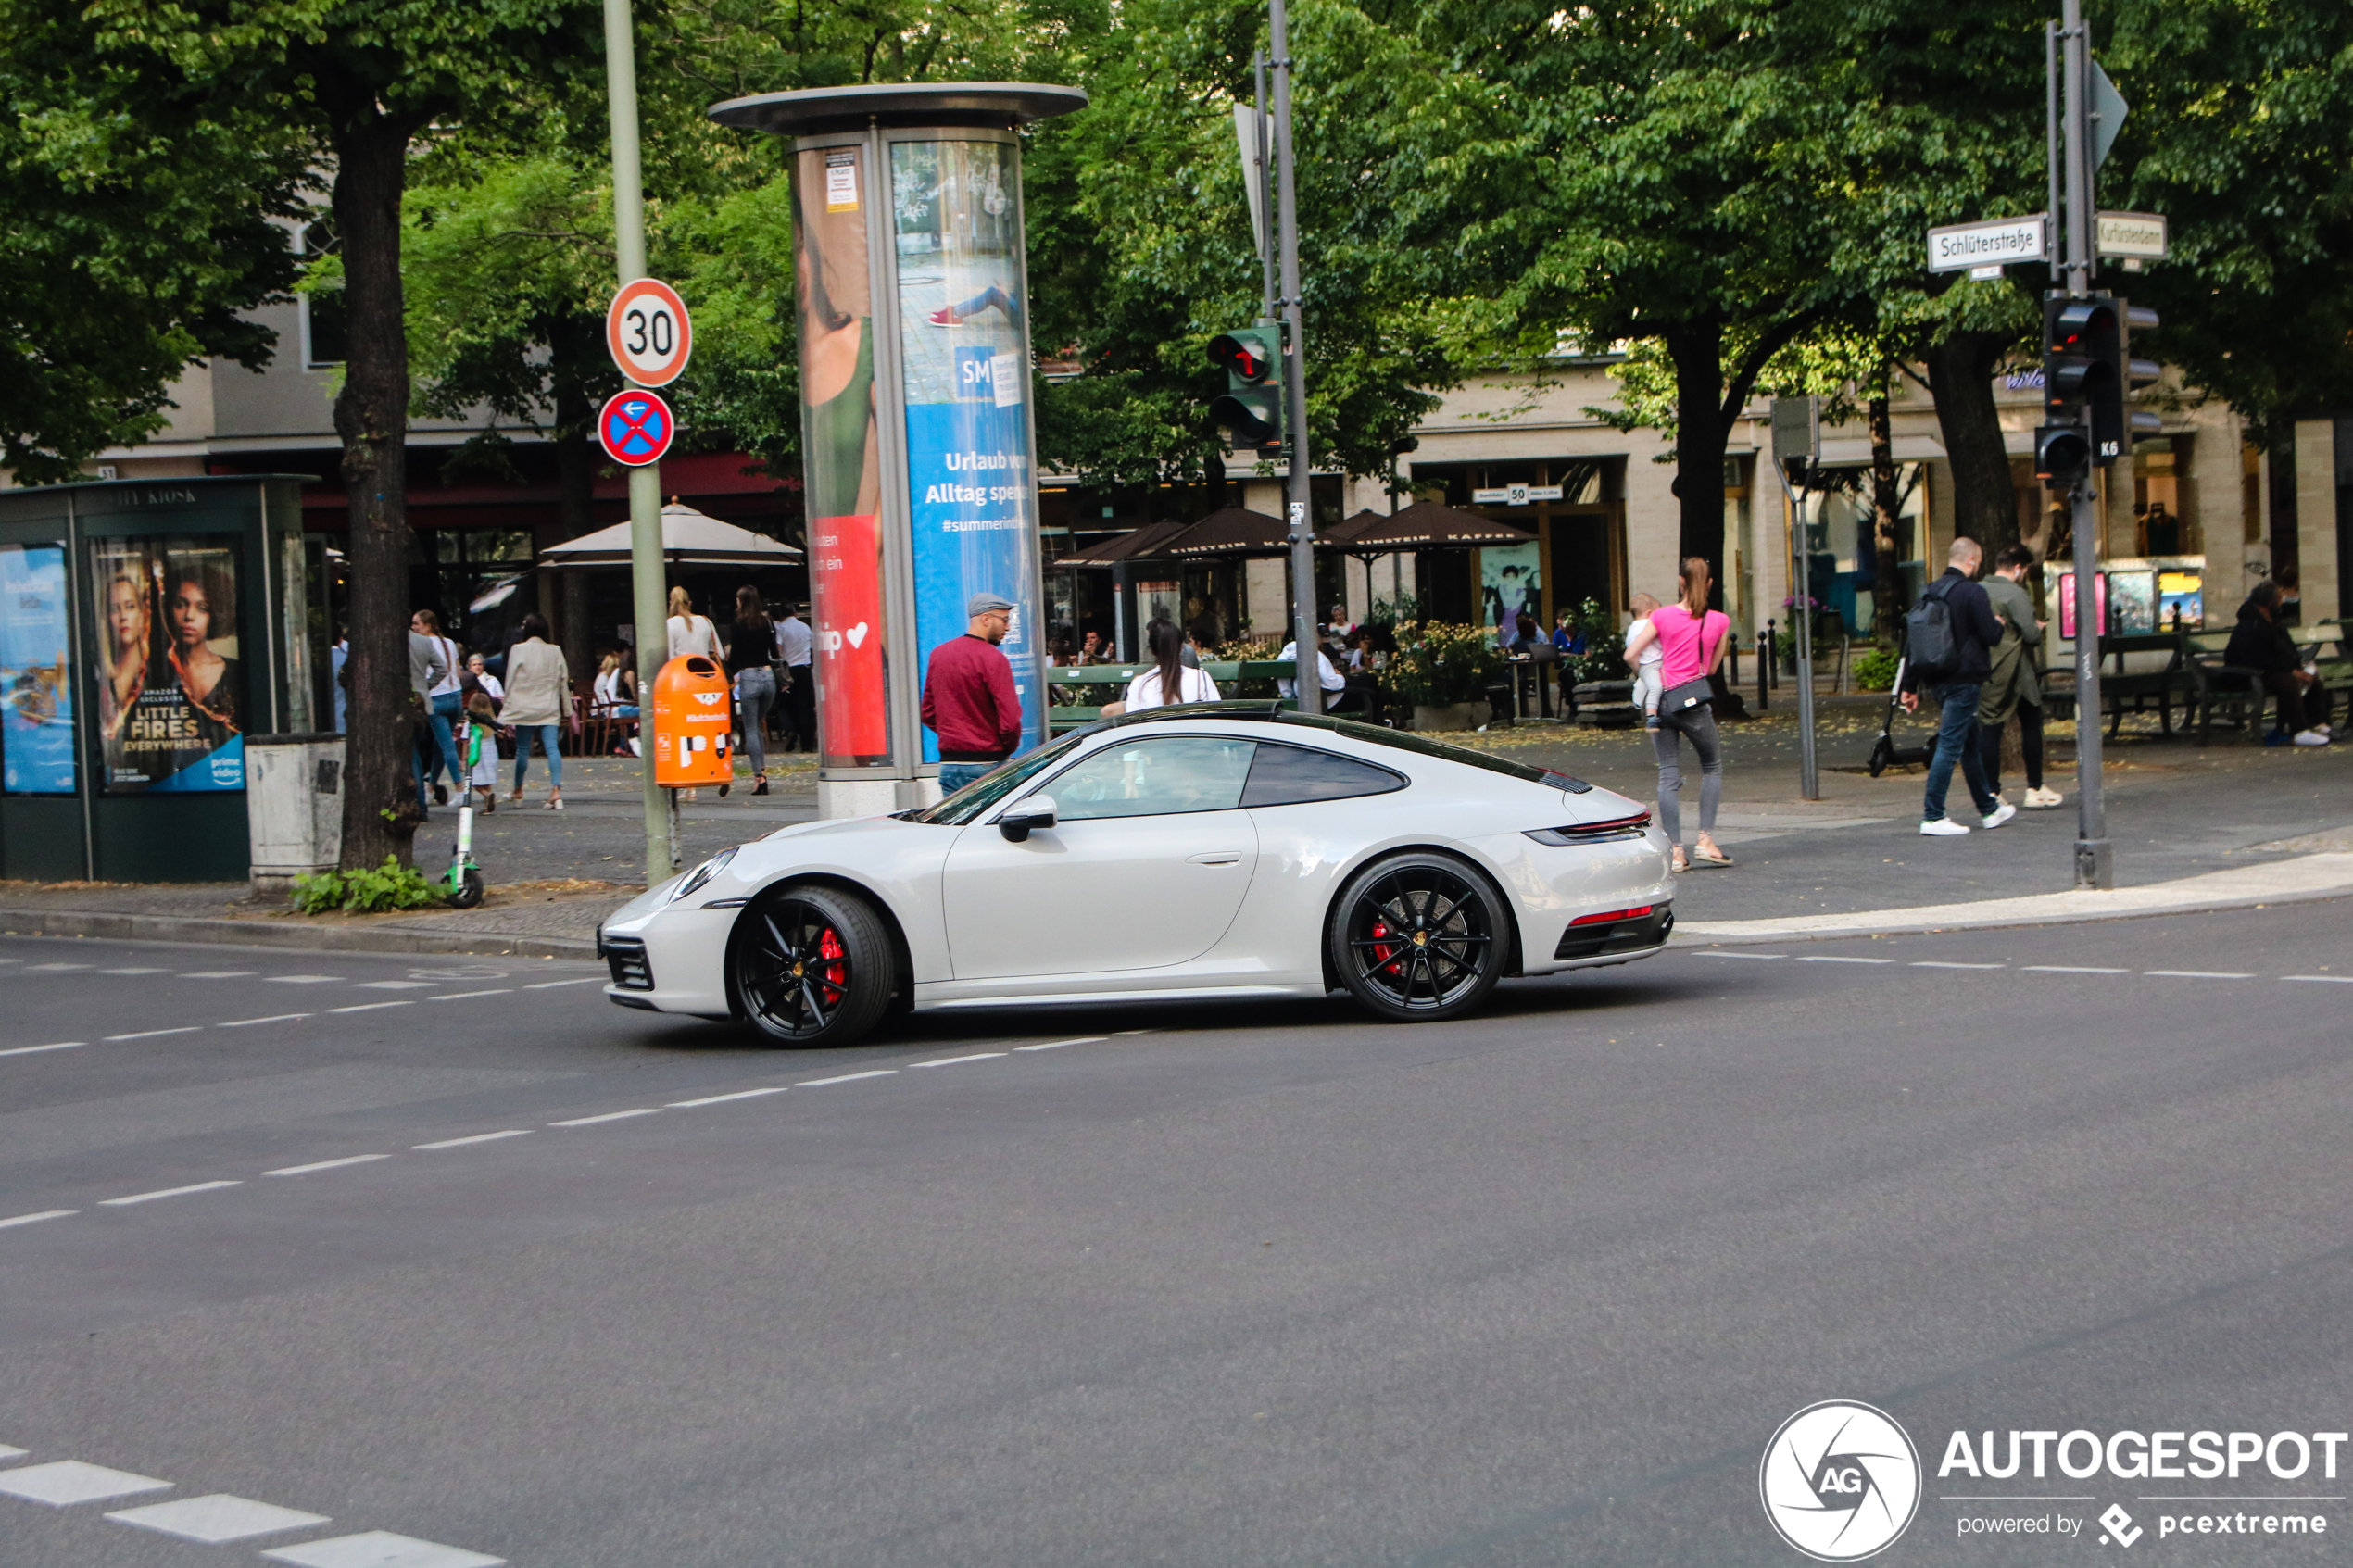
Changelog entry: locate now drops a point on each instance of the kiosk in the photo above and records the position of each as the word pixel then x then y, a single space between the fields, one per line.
pixel 912 289
pixel 150 626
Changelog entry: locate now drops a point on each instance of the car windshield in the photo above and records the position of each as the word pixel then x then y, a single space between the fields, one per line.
pixel 1375 736
pixel 977 797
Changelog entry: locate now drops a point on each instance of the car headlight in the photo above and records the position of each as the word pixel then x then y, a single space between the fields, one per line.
pixel 701 874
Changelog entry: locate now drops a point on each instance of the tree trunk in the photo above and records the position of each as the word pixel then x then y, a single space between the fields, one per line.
pixel 1960 373
pixel 1887 576
pixel 380 809
pixel 1697 348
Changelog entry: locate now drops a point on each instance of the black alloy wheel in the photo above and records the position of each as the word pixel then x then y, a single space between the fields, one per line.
pixel 812 967
pixel 1417 937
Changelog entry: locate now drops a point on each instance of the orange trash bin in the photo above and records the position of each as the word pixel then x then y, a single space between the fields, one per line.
pixel 693 721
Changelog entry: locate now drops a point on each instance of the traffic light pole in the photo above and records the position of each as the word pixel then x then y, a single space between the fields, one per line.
pixel 1299 513
pixel 2094 864
pixel 645 484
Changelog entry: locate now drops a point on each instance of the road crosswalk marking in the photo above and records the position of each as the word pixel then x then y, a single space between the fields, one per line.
pixel 218 1518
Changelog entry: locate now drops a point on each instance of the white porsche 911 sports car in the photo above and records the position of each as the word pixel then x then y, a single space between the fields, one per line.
pixel 1215 850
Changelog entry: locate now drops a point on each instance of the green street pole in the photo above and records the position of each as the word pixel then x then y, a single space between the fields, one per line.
pixel 645 484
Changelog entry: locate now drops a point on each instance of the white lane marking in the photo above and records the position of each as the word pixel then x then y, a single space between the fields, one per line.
pixel 469 995
pixel 305 979
pixel 1939 963
pixel 2069 969
pixel 396 985
pixel 952 1060
pixel 13 960
pixel 2323 979
pixel 151 1034
pixel 62 1483
pixel 219 973
pixel 371 1006
pixel 54 967
pixel 584 979
pixel 1711 953
pixel 1134 1031
pixel 325 1165
pixel 721 1100
pixel 608 1116
pixel 217 1518
pixel 166 1192
pixel 125 970
pixel 5 1452
pixel 1823 957
pixel 477 1137
pixel 29 1051
pixel 273 1018
pixel 379 1548
pixel 32 1219
pixel 2200 973
pixel 844 1078
pixel 1082 1040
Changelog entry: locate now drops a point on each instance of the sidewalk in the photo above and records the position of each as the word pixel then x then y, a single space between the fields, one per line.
pixel 2229 824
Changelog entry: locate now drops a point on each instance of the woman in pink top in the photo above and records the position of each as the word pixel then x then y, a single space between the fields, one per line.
pixel 1692 640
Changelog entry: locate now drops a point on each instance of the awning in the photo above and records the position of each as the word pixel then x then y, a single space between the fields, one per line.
pixel 1143 541
pixel 1424 525
pixel 688 538
pixel 1855 451
pixel 1231 530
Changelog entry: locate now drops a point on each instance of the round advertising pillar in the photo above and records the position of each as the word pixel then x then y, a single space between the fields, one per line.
pixel 920 490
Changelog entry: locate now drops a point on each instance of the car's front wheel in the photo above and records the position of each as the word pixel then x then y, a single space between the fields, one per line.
pixel 812 967
pixel 1417 937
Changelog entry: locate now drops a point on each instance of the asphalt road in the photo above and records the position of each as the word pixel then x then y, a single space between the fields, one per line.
pixel 457 1251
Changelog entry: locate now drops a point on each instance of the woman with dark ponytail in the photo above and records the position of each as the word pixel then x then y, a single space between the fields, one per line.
pixel 1170 681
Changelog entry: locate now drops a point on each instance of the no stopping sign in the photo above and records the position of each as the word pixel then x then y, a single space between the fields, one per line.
pixel 634 428
pixel 647 331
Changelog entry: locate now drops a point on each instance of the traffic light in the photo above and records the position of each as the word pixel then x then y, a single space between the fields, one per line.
pixel 2133 374
pixel 1252 406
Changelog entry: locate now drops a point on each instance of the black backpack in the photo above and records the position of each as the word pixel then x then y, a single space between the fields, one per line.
pixel 1928 645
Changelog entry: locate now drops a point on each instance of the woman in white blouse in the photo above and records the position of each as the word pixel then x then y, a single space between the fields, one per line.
pixel 1170 681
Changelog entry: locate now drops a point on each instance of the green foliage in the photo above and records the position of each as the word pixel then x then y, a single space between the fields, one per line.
pixel 364 890
pixel 1437 663
pixel 1875 670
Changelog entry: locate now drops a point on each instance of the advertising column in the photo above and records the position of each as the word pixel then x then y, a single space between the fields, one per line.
pixel 841 458
pixel 964 348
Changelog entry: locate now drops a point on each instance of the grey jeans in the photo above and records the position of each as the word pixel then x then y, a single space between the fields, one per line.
pixel 1699 723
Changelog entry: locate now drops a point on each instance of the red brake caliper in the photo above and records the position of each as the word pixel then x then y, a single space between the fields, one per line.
pixel 1385 956
pixel 830 948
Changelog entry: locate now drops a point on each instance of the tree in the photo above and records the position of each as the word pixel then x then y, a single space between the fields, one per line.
pixel 127 246
pixel 358 82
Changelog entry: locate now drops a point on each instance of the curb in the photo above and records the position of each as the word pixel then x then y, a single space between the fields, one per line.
pixel 254 934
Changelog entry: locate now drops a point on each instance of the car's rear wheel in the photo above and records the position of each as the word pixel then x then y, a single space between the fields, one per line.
pixel 812 967
pixel 1417 937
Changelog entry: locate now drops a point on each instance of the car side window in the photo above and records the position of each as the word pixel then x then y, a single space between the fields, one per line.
pixel 1290 775
pixel 1155 778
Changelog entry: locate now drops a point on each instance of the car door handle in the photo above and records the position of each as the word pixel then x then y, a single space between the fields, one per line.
pixel 1216 857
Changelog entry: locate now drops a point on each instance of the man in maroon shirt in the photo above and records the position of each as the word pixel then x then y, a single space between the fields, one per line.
pixel 969 700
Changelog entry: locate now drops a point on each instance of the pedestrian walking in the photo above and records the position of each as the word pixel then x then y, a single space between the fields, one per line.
pixel 793 643
pixel 443 704
pixel 2261 643
pixel 690 633
pixel 428 666
pixel 751 648
pixel 1948 635
pixel 2015 685
pixel 539 700
pixel 969 700
pixel 479 668
pixel 1171 679
pixel 1692 639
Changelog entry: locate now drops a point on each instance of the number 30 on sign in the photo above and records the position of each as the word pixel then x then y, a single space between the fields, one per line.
pixel 648 333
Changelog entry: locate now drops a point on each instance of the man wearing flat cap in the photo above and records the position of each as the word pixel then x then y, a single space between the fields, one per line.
pixel 969 700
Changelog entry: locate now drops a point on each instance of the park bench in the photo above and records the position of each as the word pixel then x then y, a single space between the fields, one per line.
pixel 2148 668
pixel 1077 694
pixel 2237 692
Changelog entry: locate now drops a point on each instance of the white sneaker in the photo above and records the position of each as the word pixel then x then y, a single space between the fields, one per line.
pixel 2043 799
pixel 2311 737
pixel 1948 828
pixel 2000 814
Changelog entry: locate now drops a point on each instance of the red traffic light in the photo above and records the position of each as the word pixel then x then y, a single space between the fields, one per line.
pixel 1242 355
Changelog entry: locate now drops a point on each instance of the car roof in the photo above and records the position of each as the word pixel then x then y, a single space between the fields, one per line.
pixel 1267 711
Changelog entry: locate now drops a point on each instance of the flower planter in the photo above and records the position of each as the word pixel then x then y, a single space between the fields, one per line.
pixel 1447 716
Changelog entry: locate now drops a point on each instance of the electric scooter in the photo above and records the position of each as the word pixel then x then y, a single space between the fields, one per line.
pixel 463 885
pixel 1885 753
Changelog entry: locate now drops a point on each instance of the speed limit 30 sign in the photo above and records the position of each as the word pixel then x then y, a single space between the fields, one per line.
pixel 648 333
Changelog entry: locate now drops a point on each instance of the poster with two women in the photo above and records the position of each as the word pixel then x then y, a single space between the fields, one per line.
pixel 170 686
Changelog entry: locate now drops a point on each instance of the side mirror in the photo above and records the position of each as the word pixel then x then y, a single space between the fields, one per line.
pixel 1023 817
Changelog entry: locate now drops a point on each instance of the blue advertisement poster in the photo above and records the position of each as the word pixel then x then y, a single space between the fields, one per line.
pixel 36 726
pixel 964 344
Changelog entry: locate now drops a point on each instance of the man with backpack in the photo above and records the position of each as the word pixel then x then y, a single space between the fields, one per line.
pixel 1946 638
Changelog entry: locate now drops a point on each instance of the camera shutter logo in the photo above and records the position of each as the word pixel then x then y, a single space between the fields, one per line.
pixel 1840 1481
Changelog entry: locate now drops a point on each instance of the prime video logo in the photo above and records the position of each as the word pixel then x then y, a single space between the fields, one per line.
pixel 2137 1455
